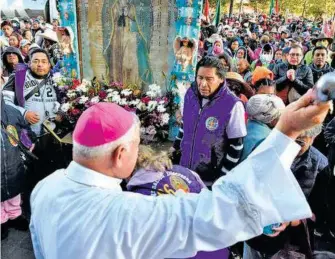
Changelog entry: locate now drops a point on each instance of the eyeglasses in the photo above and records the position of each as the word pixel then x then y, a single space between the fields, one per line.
pixel 300 142
pixel 295 54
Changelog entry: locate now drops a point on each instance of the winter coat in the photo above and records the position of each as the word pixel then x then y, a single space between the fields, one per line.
pixel 317 73
pixel 306 169
pixel 256 133
pixel 302 82
pixel 12 166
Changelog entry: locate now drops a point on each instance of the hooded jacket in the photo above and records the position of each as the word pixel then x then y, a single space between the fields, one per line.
pixel 259 62
pixel 318 72
pixel 8 69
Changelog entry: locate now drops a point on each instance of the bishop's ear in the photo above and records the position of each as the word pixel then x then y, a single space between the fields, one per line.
pixel 118 155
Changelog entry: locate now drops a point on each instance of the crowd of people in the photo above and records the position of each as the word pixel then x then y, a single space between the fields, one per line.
pixel 18 38
pixel 253 77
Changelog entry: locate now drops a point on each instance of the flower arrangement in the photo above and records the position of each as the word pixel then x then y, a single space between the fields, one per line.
pixel 152 107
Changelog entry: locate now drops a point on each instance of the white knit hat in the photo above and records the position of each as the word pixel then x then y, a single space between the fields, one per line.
pixel 264 108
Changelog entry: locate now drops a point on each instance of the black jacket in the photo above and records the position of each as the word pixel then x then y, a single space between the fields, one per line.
pixel 303 81
pixel 306 169
pixel 318 72
pixel 12 166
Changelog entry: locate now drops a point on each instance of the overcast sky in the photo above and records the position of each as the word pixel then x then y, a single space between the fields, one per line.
pixel 26 4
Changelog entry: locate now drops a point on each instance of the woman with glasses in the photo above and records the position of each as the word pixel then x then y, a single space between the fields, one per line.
pixel 293 75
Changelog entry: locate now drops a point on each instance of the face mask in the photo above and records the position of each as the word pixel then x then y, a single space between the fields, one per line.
pixel 217 50
pixel 266 58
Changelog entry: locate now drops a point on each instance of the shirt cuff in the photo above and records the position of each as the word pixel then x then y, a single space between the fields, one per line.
pixel 285 147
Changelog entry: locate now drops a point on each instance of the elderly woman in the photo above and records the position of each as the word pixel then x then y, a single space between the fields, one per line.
pixel 155 175
pixel 226 61
pixel 243 68
pixel 263 113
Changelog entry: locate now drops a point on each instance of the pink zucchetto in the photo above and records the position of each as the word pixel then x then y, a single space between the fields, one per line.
pixel 101 124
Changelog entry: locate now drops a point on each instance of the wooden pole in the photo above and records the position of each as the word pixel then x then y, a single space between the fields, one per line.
pixel 78 8
pixel 231 8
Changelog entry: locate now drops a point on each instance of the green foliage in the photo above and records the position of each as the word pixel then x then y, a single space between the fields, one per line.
pixel 308 8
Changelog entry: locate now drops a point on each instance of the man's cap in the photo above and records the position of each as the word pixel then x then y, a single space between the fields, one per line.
pixel 261 73
pixel 24 42
pixel 49 34
pixel 102 123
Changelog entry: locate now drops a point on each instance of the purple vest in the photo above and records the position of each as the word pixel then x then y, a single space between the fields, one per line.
pixel 172 180
pixel 177 178
pixel 20 76
pixel 205 128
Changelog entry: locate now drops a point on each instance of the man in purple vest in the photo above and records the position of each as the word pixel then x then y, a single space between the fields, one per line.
pixel 210 141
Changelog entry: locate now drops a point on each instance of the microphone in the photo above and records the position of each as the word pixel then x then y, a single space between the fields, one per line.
pixel 324 89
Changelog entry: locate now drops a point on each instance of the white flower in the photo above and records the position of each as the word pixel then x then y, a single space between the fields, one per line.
pixel 115 92
pixel 95 99
pixel 82 88
pixel 71 94
pixel 116 98
pixel 110 94
pixel 161 108
pixel 126 92
pixel 152 105
pixel 154 91
pixel 57 77
pixel 135 102
pixel 161 102
pixel 141 106
pixel 65 107
pixel 165 119
pixel 109 90
pixel 151 130
pixel 151 94
pixel 154 88
pixel 123 101
pixel 86 82
pixel 83 99
pixel 142 130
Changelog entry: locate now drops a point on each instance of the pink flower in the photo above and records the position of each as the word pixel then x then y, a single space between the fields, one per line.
pixel 127 108
pixel 102 94
pixel 146 100
pixel 75 112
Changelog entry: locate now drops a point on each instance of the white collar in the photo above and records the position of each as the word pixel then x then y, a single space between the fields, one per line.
pixel 86 176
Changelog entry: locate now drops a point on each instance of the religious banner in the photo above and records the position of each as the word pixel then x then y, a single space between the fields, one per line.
pixel 127 41
pixel 134 41
pixel 185 51
pixel 68 38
